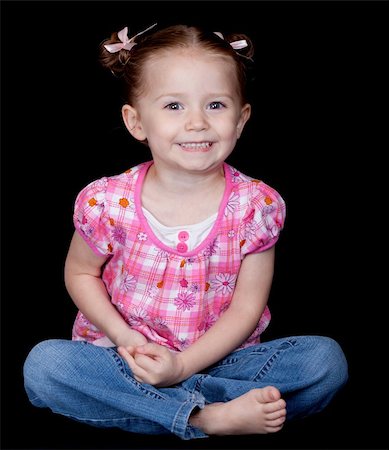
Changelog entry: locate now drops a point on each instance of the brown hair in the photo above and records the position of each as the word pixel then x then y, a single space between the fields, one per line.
pixel 128 65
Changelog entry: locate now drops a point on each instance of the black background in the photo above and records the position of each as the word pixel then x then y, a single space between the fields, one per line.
pixel 320 108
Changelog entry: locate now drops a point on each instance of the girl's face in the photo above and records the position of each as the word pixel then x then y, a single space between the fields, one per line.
pixel 190 112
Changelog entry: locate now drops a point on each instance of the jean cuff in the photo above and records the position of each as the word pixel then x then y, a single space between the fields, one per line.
pixel 181 426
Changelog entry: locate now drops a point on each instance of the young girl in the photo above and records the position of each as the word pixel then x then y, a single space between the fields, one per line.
pixel 171 264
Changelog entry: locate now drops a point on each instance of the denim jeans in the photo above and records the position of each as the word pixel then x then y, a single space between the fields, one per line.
pixel 94 385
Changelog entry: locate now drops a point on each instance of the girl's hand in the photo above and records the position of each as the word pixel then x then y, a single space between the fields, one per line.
pixel 131 338
pixel 154 364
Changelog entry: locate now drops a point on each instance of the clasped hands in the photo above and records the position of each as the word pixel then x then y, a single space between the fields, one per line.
pixel 154 364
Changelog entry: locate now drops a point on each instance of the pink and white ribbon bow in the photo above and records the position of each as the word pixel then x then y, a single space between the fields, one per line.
pixel 126 43
pixel 236 45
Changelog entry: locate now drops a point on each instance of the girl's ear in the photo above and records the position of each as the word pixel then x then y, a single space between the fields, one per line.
pixel 133 123
pixel 244 117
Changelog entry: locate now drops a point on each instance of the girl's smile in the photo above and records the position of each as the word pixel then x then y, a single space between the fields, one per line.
pixel 196 146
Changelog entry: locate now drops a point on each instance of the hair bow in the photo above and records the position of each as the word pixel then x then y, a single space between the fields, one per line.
pixel 126 43
pixel 236 45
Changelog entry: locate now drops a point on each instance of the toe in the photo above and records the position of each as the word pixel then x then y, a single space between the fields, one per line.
pixel 267 394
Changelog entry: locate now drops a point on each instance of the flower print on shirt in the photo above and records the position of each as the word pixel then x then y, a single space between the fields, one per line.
pixel 160 323
pixel 206 324
pixel 141 236
pixel 211 248
pixel 182 343
pixel 195 287
pixel 268 209
pixel 224 307
pixel 87 229
pixel 185 301
pixel 271 225
pixel 235 175
pixel 119 234
pixel 250 226
pixel 127 282
pixel 153 292
pixel 184 283
pixel 84 321
pixel 232 204
pixel 100 185
pixel 138 316
pixel 93 202
pixel 250 230
pixel 224 283
pixel 127 203
pixel 124 202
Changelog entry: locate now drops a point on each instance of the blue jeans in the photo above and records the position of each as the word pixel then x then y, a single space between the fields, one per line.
pixel 94 385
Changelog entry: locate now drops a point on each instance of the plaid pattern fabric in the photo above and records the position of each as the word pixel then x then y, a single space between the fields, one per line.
pixel 172 297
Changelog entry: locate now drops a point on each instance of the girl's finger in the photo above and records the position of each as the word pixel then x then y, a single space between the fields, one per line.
pixel 151 349
pixel 145 362
pixel 137 371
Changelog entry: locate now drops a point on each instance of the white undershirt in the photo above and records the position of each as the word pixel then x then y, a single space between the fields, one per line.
pixel 197 232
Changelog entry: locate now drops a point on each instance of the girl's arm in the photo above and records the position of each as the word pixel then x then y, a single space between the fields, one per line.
pixel 154 364
pixel 87 290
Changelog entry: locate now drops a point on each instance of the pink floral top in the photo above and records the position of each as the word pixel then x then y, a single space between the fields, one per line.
pixel 172 295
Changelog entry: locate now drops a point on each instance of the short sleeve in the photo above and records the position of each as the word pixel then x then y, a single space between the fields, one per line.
pixel 91 218
pixel 263 221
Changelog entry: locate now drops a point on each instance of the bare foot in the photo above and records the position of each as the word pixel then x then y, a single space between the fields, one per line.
pixel 259 411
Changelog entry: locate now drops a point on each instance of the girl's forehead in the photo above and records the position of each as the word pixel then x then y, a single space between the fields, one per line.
pixel 182 70
pixel 187 54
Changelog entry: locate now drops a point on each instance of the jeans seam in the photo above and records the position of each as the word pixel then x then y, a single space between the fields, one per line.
pixel 82 419
pixel 269 363
pixel 266 367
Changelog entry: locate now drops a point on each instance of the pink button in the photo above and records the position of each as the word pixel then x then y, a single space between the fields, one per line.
pixel 182 247
pixel 183 236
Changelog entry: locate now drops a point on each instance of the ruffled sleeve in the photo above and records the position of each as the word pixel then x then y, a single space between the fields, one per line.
pixel 91 217
pixel 263 221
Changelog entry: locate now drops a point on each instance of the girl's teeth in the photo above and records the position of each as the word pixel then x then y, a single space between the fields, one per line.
pixel 196 145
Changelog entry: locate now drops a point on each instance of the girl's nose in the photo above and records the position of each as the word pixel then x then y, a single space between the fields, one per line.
pixel 196 120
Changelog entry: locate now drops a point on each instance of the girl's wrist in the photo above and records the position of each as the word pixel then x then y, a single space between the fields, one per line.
pixel 129 337
pixel 185 371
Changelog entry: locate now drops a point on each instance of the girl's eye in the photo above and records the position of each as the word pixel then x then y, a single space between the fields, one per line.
pixel 173 106
pixel 216 105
